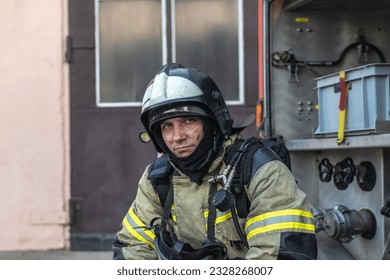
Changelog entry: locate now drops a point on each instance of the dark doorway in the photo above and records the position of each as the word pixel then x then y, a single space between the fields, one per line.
pixel 107 158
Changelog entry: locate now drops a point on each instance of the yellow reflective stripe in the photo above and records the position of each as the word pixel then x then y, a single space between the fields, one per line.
pixel 289 219
pixel 220 217
pixel 224 217
pixel 281 226
pixel 137 233
pixel 288 212
pixel 141 224
pixel 173 213
pixel 205 216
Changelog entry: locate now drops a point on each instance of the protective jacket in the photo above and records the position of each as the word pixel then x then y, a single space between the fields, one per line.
pixel 279 225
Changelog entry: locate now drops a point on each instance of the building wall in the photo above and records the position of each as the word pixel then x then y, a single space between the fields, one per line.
pixel 34 125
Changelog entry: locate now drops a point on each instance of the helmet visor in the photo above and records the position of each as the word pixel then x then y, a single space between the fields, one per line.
pixel 160 115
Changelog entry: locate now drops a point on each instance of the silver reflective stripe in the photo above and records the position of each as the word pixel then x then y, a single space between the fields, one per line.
pixel 284 220
pixel 182 110
pixel 169 88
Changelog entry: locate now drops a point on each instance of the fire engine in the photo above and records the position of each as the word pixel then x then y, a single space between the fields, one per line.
pixel 324 89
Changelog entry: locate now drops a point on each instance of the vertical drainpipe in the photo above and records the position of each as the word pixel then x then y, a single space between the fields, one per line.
pixel 263 105
pixel 164 42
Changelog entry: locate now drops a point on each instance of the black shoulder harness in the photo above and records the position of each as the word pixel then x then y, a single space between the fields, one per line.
pixel 253 159
pixel 160 175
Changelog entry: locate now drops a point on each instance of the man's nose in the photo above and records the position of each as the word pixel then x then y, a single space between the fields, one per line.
pixel 178 133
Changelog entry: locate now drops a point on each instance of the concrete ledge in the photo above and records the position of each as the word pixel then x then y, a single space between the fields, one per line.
pixel 56 255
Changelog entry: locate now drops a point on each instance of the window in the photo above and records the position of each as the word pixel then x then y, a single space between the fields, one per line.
pixel 135 37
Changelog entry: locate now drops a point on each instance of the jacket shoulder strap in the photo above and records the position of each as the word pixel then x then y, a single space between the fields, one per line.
pixel 160 172
pixel 241 177
pixel 259 153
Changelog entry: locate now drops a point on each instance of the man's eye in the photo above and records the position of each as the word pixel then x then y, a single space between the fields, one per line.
pixel 190 120
pixel 165 126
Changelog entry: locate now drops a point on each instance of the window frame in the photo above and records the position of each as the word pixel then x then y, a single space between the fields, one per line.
pixel 165 53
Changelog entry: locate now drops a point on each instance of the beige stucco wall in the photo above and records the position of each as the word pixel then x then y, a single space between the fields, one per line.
pixel 34 125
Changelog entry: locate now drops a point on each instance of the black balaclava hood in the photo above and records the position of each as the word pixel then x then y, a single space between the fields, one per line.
pixel 198 163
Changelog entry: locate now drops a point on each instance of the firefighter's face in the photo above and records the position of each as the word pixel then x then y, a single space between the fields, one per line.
pixel 182 135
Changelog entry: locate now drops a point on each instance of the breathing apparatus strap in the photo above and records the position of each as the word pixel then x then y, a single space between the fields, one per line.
pixel 212 215
pixel 170 248
pixel 160 176
pixel 167 207
pixel 238 183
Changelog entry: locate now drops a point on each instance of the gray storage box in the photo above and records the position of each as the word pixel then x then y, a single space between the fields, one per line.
pixel 367 103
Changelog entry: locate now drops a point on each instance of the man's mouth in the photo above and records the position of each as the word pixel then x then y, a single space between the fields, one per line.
pixel 182 149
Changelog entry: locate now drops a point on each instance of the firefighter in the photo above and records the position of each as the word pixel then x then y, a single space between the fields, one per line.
pixel 185 115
